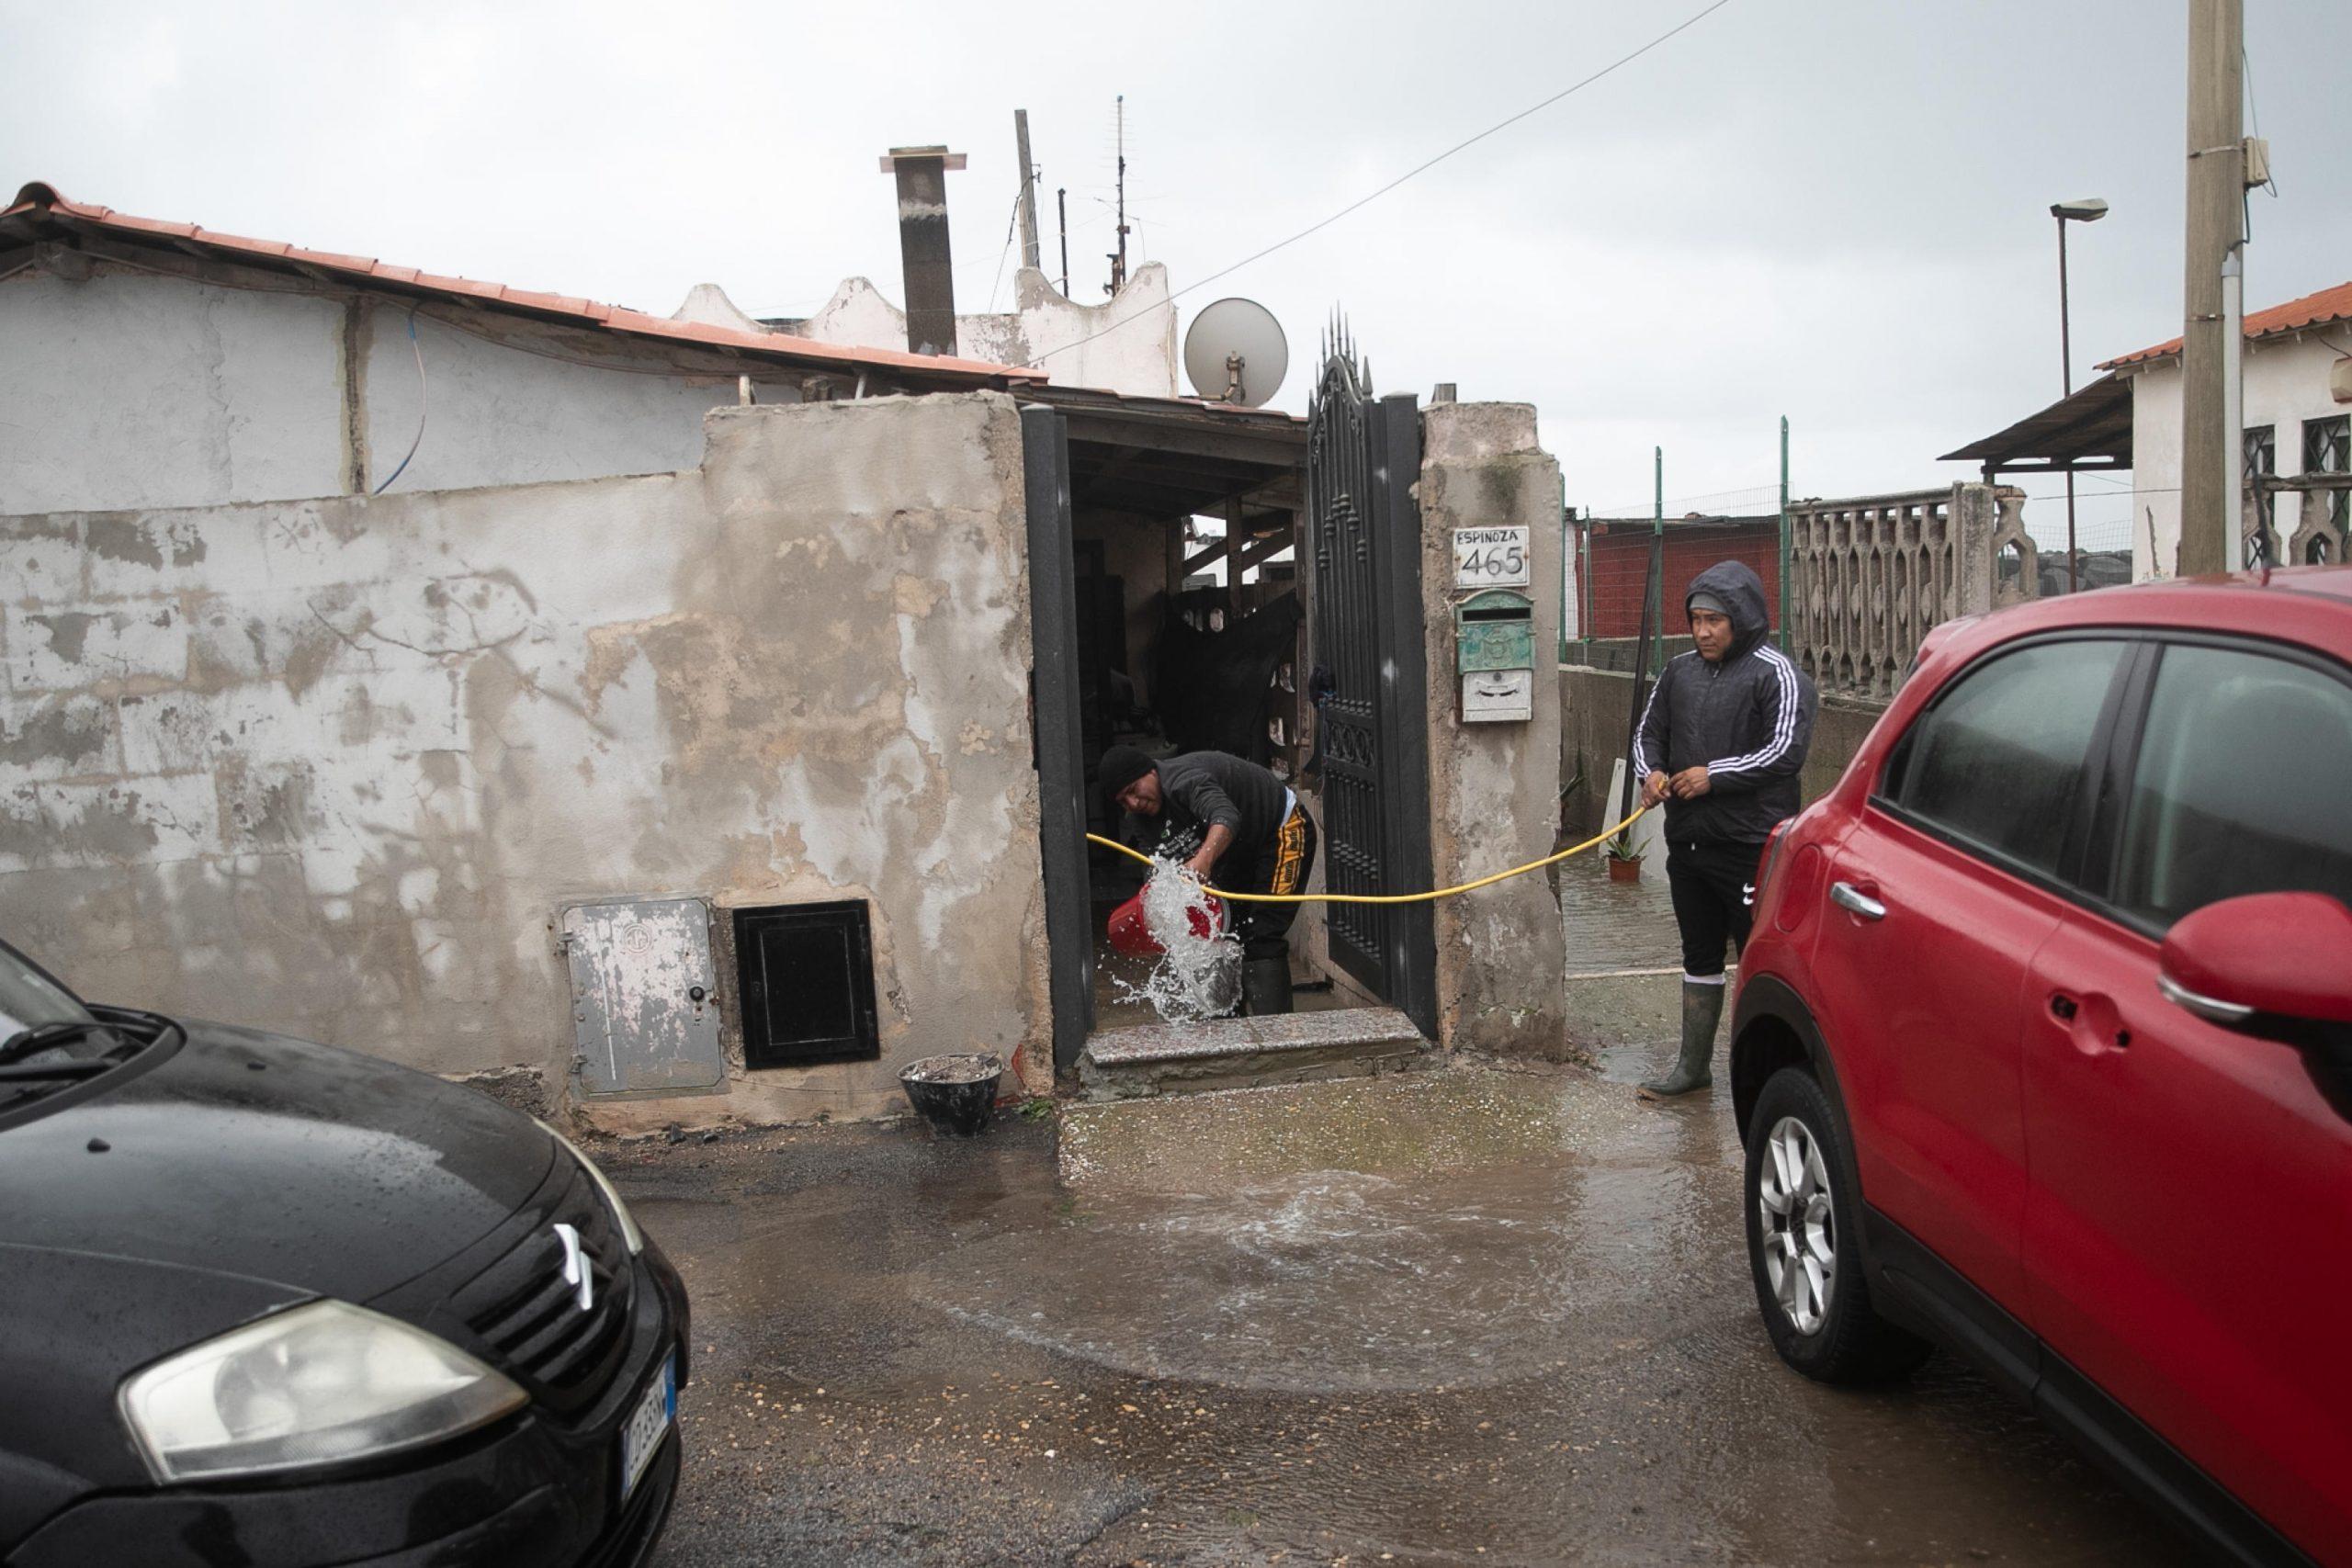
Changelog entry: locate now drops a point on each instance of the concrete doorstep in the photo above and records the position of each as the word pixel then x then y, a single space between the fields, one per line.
pixel 1249 1053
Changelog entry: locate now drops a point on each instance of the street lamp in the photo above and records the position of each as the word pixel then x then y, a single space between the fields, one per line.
pixel 2090 209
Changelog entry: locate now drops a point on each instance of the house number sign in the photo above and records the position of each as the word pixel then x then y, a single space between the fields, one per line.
pixel 1492 557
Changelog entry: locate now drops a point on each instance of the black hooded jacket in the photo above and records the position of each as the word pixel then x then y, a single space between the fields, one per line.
pixel 1748 720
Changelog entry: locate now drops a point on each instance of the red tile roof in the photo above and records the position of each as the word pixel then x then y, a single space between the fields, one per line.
pixel 2310 310
pixel 37 201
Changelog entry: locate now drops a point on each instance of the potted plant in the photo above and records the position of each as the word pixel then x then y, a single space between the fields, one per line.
pixel 1625 860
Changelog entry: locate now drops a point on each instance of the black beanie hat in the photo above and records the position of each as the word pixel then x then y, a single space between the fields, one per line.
pixel 1121 766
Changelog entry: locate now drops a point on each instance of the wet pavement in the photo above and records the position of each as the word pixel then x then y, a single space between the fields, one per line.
pixel 1614 927
pixel 1480 1314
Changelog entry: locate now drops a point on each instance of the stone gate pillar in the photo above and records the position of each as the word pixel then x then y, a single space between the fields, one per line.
pixel 1494 787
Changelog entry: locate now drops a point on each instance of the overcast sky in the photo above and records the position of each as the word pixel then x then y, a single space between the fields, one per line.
pixel 1831 210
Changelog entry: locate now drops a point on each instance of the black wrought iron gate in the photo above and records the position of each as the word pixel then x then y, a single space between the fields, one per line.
pixel 1363 457
pixel 1061 761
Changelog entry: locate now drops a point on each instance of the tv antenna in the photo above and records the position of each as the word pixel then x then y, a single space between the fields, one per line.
pixel 1235 353
pixel 1119 256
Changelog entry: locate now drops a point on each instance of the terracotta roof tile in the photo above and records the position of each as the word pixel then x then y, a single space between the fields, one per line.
pixel 42 198
pixel 342 263
pixel 2310 310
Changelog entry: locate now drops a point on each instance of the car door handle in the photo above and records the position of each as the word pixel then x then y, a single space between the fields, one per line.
pixel 1846 896
pixel 2091 1021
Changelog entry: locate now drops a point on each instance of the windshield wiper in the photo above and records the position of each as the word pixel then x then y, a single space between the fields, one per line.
pixel 29 1072
pixel 42 1036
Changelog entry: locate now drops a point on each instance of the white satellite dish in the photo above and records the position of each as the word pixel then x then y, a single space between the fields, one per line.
pixel 1235 353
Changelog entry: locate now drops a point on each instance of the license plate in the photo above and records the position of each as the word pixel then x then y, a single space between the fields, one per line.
pixel 656 1408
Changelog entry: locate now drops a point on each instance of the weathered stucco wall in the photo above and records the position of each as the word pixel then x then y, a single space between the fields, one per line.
pixel 334 767
pixel 167 392
pixel 1493 787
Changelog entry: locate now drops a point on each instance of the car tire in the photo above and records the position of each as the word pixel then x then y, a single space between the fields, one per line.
pixel 1803 1212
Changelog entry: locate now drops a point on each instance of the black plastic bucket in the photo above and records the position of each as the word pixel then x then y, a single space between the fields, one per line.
pixel 955 1094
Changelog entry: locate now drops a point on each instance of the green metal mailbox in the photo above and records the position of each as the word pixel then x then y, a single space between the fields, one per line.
pixel 1495 630
pixel 1494 654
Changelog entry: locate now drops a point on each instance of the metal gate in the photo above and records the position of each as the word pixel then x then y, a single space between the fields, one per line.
pixel 1363 457
pixel 1062 761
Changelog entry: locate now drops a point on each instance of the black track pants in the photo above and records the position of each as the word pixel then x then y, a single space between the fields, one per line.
pixel 1281 864
pixel 1712 883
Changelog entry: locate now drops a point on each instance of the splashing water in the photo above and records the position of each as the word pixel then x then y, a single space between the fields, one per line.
pixel 1196 977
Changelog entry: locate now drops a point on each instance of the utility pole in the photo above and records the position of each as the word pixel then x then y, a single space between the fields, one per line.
pixel 1784 534
pixel 1657 594
pixel 2211 444
pixel 1061 202
pixel 1028 191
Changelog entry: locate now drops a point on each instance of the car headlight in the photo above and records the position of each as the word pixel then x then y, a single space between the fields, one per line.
pixel 315 1385
pixel 621 1216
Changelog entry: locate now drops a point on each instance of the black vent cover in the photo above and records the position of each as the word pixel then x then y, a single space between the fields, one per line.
pixel 807 976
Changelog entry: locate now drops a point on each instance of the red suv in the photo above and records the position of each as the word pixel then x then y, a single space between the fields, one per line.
pixel 2043 1043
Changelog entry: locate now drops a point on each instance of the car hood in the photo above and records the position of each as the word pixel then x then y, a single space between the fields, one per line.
pixel 247 1154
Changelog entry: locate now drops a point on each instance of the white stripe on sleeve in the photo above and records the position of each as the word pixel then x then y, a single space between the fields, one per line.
pixel 1641 761
pixel 1784 722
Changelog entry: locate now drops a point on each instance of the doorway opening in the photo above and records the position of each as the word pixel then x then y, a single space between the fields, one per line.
pixel 1190 629
pixel 1183 547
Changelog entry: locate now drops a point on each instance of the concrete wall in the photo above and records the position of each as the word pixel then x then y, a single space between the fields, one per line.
pixel 1596 706
pixel 1128 343
pixel 2286 382
pixel 1492 786
pixel 333 767
pixel 130 390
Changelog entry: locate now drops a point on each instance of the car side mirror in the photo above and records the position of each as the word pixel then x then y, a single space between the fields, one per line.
pixel 2274 965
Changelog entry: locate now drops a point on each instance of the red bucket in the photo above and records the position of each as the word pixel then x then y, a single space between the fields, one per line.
pixel 1132 935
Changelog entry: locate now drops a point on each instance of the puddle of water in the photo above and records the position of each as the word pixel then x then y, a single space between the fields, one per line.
pixel 1437 1257
pixel 1327 1279
pixel 1415 1316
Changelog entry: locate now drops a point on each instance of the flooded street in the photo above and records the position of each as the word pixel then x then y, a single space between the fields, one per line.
pixel 1472 1315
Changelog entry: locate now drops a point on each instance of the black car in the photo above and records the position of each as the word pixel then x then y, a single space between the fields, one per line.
pixel 264 1301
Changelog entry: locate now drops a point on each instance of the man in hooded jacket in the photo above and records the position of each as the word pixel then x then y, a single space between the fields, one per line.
pixel 1722 742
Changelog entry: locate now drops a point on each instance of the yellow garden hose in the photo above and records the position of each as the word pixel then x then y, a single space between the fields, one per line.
pixel 1386 897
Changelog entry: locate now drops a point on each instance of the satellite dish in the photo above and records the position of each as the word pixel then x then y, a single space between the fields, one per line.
pixel 1236 354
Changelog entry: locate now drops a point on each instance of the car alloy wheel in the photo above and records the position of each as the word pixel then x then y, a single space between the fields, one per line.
pixel 1800 1224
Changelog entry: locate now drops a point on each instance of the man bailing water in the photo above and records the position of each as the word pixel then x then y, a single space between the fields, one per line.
pixel 1721 743
pixel 1235 825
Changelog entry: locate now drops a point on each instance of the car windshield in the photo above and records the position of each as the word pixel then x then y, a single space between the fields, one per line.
pixel 30 999
pixel 48 1039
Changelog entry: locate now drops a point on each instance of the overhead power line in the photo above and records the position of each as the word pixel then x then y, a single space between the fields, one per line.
pixel 1416 170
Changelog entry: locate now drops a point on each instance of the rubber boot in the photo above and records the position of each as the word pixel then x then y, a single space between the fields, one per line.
pixel 1703 1008
pixel 1265 982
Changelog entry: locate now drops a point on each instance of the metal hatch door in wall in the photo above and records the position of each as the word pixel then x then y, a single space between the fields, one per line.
pixel 643 997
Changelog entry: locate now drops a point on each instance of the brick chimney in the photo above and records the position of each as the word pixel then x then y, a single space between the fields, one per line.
pixel 923 245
